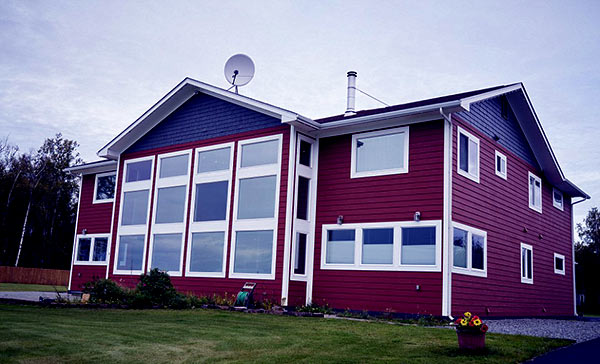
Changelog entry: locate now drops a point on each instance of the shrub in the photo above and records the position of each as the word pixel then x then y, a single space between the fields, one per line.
pixel 107 291
pixel 155 289
pixel 315 308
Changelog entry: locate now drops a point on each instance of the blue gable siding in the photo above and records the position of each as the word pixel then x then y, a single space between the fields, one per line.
pixel 202 117
pixel 487 117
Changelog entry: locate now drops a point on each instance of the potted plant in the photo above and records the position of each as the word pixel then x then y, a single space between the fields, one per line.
pixel 471 332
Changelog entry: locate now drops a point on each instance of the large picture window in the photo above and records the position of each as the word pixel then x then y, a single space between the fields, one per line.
pixel 104 187
pixel 255 208
pixel 403 246
pixel 379 153
pixel 209 220
pixel 469 250
pixel 133 217
pixel 468 155
pixel 91 249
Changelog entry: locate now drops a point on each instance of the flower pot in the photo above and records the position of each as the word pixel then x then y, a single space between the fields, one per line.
pixel 471 340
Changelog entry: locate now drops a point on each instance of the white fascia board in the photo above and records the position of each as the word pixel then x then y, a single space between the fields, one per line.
pixel 94 167
pixel 467 101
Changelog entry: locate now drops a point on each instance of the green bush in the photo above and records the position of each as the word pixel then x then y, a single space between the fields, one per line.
pixel 155 289
pixel 107 291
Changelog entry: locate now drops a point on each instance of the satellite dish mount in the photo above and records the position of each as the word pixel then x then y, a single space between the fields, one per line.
pixel 239 71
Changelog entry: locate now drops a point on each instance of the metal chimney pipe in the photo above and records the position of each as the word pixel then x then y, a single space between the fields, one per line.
pixel 351 93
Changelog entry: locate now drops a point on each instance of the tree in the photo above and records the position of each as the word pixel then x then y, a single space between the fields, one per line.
pixel 587 256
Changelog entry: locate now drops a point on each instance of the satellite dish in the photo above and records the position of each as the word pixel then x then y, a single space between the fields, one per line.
pixel 239 70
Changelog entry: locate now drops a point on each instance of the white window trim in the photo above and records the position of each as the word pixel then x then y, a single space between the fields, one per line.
pixel 469 270
pixel 170 228
pixel 210 226
pixel 261 224
pixel 530 248
pixel 397 248
pixel 92 245
pixel 380 172
pixel 471 176
pixel 141 229
pixel 498 173
pixel 96 187
pixel 303 226
pixel 560 205
pixel 531 206
pixel 558 271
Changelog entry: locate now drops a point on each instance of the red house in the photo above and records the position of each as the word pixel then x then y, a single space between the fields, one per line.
pixel 431 207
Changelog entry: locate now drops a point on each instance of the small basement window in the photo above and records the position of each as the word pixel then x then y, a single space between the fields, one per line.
pixel 535 192
pixel 559 264
pixel 557 199
pixel 526 263
pixel 500 165
pixel 468 155
pixel 104 188
pixel 379 153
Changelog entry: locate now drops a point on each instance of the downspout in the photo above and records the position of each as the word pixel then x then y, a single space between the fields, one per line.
pixel 447 218
pixel 573 255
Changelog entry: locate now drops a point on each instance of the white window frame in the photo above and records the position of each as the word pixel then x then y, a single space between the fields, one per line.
pixel 210 226
pixel 141 229
pixel 114 173
pixel 381 172
pixel 303 226
pixel 560 205
pixel 397 247
pixel 532 206
pixel 259 224
pixel 525 279
pixel 92 245
pixel 472 176
pixel 503 158
pixel 170 228
pixel 558 271
pixel 469 270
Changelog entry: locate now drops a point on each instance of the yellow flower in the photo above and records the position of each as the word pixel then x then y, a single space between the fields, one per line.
pixel 464 322
pixel 467 315
pixel 477 322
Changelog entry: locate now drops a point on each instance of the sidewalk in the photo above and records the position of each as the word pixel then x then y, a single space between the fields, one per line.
pixel 31 296
pixel 585 352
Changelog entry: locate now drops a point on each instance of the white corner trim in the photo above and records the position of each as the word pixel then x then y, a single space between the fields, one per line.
pixel 75 232
pixel 289 216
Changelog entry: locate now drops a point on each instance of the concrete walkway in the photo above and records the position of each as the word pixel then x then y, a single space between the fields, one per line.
pixel 31 296
pixel 585 352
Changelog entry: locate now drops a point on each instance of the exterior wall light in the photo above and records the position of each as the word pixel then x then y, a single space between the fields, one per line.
pixel 417 216
pixel 340 220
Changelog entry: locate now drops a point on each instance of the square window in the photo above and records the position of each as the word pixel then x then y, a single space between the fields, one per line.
pixel 135 207
pixel 174 166
pixel 557 199
pixel 380 153
pixel 535 192
pixel 559 264
pixel 105 187
pixel 340 247
pixel 468 155
pixel 100 247
pixel 207 252
pixel 131 252
pixel 501 165
pixel 256 197
pixel 211 201
pixel 378 246
pixel 418 245
pixel 166 252
pixel 260 153
pixel 253 252
pixel 83 249
pixel 214 160
pixel 138 171
pixel 300 255
pixel 170 205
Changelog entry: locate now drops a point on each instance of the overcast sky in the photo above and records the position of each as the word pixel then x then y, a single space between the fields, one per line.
pixel 88 69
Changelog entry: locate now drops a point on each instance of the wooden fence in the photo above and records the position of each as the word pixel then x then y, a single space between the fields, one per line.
pixel 53 277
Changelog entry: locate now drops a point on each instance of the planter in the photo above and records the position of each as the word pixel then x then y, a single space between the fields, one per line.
pixel 471 340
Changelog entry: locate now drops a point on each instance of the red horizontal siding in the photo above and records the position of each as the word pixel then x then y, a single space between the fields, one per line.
pixel 94 217
pixel 266 289
pixel 86 273
pixel 297 293
pixel 380 199
pixel 501 208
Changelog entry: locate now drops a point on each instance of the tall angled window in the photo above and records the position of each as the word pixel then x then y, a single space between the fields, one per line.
pixel 468 155
pixel 256 206
pixel 209 218
pixel 380 153
pixel 133 217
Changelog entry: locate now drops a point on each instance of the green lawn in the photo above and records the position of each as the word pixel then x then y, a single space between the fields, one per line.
pixel 52 335
pixel 13 287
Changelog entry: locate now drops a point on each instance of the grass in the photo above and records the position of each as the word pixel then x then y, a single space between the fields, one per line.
pixel 16 287
pixel 69 335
